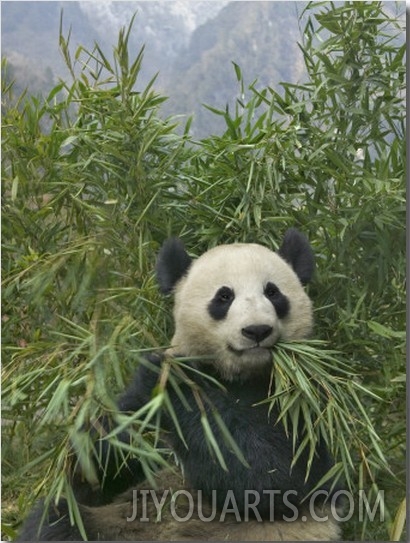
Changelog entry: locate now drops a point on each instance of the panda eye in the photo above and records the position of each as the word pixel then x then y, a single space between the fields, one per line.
pixel 225 295
pixel 218 307
pixel 271 290
pixel 279 301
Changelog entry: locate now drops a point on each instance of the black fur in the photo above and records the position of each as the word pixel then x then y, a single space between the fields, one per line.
pixel 279 301
pixel 172 264
pixel 263 441
pixel 219 306
pixel 296 250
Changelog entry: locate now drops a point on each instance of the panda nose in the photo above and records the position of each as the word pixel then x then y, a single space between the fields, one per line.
pixel 257 332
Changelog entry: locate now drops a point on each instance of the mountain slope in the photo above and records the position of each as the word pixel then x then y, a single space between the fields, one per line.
pixel 261 37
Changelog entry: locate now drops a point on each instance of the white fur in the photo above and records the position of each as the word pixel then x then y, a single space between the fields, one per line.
pixel 245 268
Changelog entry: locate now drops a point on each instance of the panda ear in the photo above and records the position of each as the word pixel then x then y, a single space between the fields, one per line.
pixel 296 250
pixel 173 262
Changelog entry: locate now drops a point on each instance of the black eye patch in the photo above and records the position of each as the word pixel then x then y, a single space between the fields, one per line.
pixel 279 301
pixel 219 306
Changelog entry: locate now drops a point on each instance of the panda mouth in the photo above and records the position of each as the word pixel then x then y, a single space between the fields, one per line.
pixel 255 349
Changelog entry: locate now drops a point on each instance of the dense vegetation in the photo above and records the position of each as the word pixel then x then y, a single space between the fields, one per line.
pixel 94 180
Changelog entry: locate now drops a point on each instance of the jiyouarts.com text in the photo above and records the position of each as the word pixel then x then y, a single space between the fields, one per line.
pixel 148 506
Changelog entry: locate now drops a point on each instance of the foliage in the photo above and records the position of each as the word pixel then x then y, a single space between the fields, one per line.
pixel 93 181
pixel 312 384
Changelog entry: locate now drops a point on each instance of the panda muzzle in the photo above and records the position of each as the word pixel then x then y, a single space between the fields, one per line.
pixel 257 332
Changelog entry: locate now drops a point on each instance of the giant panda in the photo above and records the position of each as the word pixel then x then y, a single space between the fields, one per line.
pixel 231 305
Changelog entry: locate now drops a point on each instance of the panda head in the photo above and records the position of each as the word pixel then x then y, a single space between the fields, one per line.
pixel 233 303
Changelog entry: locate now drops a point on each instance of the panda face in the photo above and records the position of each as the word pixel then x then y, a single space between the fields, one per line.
pixel 234 303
